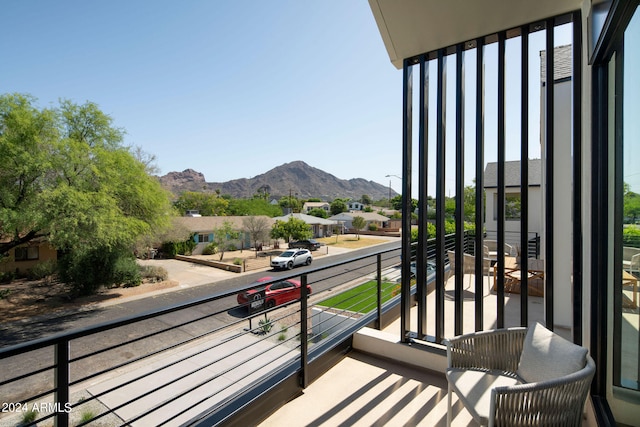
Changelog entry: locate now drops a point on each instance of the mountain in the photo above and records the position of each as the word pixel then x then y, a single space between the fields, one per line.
pixel 295 178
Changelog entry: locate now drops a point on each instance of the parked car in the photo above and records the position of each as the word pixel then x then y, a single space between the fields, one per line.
pixel 291 258
pixel 310 244
pixel 274 294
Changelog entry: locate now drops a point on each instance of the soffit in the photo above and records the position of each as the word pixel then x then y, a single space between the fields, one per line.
pixel 411 27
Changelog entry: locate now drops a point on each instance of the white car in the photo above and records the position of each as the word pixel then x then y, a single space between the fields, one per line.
pixel 291 258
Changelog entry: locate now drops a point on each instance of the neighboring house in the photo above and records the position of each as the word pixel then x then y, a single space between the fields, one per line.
pixel 309 206
pixel 24 257
pixel 346 218
pixel 321 227
pixel 203 229
pixel 355 206
pixel 512 199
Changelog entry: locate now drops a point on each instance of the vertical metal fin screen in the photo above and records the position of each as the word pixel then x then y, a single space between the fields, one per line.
pixel 477 165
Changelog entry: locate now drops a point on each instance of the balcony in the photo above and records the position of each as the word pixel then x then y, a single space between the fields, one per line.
pixel 211 362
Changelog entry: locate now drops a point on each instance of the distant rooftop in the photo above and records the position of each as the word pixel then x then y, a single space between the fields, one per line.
pixel 512 174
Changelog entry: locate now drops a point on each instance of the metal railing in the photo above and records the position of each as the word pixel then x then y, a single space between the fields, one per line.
pixel 189 362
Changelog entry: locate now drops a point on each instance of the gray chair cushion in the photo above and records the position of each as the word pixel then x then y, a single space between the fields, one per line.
pixel 547 356
pixel 474 387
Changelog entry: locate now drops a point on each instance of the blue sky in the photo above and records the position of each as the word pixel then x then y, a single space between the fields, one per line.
pixel 230 89
pixel 233 89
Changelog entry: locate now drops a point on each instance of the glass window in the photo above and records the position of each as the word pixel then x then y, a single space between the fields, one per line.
pixel 27 253
pixel 512 205
pixel 628 350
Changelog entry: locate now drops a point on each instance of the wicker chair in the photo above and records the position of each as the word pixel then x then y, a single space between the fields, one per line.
pixel 519 377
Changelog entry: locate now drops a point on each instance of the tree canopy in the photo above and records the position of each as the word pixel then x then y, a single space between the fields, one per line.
pixel 338 206
pixel 65 175
pixel 208 204
pixel 294 228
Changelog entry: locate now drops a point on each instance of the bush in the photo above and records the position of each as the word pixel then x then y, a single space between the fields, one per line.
pixel 631 236
pixel 42 270
pixel 86 271
pixel 237 261
pixel 171 249
pixel 126 273
pixel 210 249
pixel 231 247
pixel 154 273
pixel 373 227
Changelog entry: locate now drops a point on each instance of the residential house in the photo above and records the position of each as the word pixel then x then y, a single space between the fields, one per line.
pixel 371 218
pixel 355 206
pixel 512 188
pixel 309 206
pixel 321 227
pixel 24 257
pixel 203 228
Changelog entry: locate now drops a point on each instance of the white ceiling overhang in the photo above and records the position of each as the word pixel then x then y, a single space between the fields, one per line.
pixel 411 27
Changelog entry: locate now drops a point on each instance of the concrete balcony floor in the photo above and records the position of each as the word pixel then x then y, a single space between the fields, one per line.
pixel 383 382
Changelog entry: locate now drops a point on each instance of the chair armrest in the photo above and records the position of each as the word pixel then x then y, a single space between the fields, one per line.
pixel 496 349
pixel 554 402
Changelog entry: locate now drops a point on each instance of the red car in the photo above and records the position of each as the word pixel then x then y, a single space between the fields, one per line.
pixel 276 293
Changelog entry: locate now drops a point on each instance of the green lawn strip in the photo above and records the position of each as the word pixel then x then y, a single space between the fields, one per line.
pixel 362 298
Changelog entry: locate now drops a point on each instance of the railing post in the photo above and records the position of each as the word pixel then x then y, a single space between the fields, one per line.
pixel 304 347
pixel 379 293
pixel 62 383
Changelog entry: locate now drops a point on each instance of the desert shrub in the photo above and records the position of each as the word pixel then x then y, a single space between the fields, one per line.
pixel 154 273
pixel 237 261
pixel 265 325
pixel 231 247
pixel 373 227
pixel 126 273
pixel 42 270
pixel 88 270
pixel 210 249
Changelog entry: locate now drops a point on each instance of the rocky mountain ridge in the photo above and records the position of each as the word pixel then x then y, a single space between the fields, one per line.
pixel 294 178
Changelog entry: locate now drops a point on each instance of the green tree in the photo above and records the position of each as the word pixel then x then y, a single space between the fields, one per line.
pixel 65 176
pixel 320 213
pixel 396 203
pixel 223 235
pixel 631 205
pixel 294 228
pixel 208 204
pixel 358 224
pixel 290 202
pixel 254 206
pixel 366 200
pixel 338 206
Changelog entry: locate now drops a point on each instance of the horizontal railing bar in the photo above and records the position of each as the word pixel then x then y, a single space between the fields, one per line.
pixel 30 374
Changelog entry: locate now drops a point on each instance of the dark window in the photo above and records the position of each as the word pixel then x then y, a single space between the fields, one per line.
pixel 27 253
